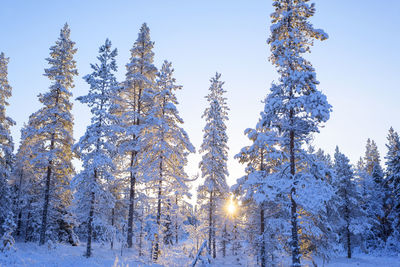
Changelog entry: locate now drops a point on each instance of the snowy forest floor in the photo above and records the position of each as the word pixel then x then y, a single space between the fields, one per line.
pixel 30 254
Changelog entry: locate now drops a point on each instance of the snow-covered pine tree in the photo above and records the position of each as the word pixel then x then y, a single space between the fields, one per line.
pixel 97 148
pixel 215 154
pixel 139 79
pixel 393 180
pixel 352 221
pixel 164 146
pixel 295 108
pixel 52 129
pixel 250 188
pixel 27 182
pixel 377 193
pixel 7 224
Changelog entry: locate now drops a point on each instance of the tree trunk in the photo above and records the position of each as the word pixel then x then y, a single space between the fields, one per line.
pixel 214 247
pixel 46 202
pixel 213 232
pixel 295 239
pixel 19 218
pixel 112 224
pixel 224 242
pixel 262 230
pixel 141 234
pixel 348 232
pixel 262 219
pixel 157 241
pixel 90 221
pixel 131 200
pixel 176 220
pixel 210 214
pixel 90 228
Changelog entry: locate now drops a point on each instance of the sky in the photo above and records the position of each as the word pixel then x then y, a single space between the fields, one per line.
pixel 358 66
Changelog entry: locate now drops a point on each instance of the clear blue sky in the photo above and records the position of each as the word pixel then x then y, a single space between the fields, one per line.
pixel 358 66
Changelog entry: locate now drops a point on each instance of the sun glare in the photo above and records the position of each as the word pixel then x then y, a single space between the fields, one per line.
pixel 231 207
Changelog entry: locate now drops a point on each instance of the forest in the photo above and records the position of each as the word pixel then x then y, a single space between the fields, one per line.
pixel 121 194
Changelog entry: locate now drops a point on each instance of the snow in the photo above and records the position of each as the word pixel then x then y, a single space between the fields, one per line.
pixel 365 261
pixel 30 254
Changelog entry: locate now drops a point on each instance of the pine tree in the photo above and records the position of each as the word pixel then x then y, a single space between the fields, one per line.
pixel 257 156
pixel 165 145
pixel 139 79
pixel 215 152
pixel 393 180
pixel 376 195
pixel 52 130
pixel 294 108
pixel 27 180
pixel 352 215
pixel 97 146
pixel 6 160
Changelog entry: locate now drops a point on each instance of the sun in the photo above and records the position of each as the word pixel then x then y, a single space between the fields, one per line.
pixel 231 208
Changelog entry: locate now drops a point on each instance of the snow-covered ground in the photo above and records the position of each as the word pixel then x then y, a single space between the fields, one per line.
pixel 30 254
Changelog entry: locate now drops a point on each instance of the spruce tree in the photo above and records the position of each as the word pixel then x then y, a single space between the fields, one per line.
pixel 164 145
pixel 6 160
pixel 376 195
pixel 393 180
pixel 52 128
pixel 97 148
pixel 215 155
pixel 251 188
pixel 352 215
pixel 140 78
pixel 27 180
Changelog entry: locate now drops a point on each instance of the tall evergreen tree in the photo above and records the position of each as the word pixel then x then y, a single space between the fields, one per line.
pixel 97 146
pixel 6 159
pixel 393 180
pixel 251 188
pixel 376 195
pixel 140 78
pixel 28 183
pixel 352 215
pixel 295 108
pixel 165 145
pixel 215 155
pixel 52 128
pixel 26 180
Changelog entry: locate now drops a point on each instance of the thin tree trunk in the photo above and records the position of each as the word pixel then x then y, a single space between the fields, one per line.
pixel 90 221
pixel 19 218
pixel 295 239
pixel 90 228
pixel 132 175
pixel 214 247
pixel 131 200
pixel 157 241
pixel 224 242
pixel 141 234
pixel 210 214
pixel 176 220
pixel 262 230
pixel 213 232
pixel 262 219
pixel 112 224
pixel 46 202
pixel 348 232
